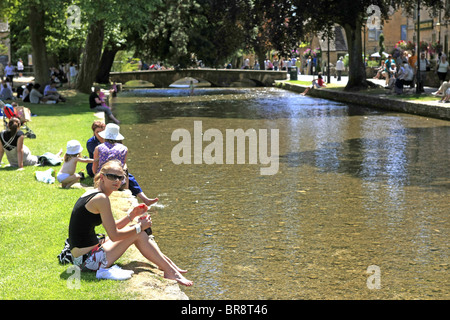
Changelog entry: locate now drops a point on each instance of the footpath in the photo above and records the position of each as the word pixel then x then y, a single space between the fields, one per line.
pixel 408 102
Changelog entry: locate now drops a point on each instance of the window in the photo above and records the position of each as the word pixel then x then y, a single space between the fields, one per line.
pixel 403 32
pixel 374 34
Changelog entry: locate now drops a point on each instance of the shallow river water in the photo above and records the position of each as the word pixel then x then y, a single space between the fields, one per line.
pixel 358 208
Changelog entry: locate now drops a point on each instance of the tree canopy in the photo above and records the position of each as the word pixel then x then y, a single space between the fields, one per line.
pixel 176 31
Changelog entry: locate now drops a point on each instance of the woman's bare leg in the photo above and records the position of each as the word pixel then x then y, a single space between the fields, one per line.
pixel 114 250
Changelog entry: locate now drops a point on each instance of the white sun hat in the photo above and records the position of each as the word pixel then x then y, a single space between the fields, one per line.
pixel 74 147
pixel 111 132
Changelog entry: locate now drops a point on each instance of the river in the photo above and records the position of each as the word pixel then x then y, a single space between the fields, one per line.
pixel 357 207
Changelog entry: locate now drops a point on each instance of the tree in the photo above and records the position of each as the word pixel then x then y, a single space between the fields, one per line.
pixel 168 31
pixel 350 14
pixel 111 23
pixel 277 24
pixel 381 44
pixel 37 15
pixel 91 56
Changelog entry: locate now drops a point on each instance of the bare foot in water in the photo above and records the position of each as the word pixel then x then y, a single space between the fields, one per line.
pixel 146 200
pixel 151 201
pixel 173 265
pixel 175 275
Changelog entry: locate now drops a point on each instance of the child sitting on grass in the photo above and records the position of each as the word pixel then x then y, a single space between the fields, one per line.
pixel 101 95
pixel 67 176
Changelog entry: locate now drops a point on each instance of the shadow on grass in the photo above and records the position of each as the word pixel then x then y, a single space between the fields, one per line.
pixel 72 272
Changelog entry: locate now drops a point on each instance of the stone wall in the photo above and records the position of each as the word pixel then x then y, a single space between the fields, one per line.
pixel 385 103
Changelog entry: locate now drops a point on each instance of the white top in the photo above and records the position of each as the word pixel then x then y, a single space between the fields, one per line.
pixel 443 66
pixel 423 64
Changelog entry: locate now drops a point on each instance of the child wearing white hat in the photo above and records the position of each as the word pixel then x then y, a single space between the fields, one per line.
pixel 67 176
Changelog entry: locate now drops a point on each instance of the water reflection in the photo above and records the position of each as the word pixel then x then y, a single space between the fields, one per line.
pixel 356 187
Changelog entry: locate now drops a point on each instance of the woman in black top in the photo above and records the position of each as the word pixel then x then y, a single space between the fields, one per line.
pixel 17 153
pixel 93 209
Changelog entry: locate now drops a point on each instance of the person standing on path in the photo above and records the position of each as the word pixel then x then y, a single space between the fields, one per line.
pixel 339 68
pixel 20 67
pixel 9 72
pixel 424 63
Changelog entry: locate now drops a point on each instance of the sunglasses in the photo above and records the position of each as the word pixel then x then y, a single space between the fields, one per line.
pixel 114 177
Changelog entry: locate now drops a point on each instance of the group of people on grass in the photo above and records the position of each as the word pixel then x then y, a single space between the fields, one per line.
pixel 33 93
pixel 403 71
pixel 107 165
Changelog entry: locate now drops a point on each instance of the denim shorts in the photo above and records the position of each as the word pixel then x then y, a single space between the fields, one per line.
pixel 93 260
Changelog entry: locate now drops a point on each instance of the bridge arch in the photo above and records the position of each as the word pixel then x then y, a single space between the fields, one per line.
pixel 184 82
pixel 217 77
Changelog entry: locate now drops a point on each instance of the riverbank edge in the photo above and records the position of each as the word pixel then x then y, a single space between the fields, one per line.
pixel 384 103
pixel 148 281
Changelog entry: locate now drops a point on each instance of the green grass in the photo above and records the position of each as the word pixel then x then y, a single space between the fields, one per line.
pixel 308 83
pixel 34 216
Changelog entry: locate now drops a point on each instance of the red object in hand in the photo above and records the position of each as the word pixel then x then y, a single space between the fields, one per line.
pixel 142 205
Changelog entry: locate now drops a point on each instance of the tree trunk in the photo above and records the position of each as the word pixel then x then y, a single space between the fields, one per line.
pixel 91 56
pixel 106 63
pixel 261 57
pixel 36 18
pixel 357 70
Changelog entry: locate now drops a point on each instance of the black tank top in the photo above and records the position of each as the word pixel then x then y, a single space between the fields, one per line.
pixel 82 224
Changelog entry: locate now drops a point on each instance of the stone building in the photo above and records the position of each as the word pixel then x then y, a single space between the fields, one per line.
pixel 337 46
pixel 401 26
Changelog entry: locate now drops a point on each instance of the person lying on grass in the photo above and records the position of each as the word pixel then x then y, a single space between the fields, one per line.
pixel 94 208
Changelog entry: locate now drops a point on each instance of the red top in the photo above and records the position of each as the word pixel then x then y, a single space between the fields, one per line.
pixel 320 82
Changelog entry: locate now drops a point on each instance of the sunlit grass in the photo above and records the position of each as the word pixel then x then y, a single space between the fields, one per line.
pixel 34 216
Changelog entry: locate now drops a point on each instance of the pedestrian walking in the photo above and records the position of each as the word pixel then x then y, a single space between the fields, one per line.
pixel 442 68
pixel 339 68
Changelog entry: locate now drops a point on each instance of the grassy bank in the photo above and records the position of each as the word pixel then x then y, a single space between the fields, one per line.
pixel 34 216
pixel 380 91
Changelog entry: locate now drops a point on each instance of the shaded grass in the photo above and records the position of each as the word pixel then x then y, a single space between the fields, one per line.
pixel 34 216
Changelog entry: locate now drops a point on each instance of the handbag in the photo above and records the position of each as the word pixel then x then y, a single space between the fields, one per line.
pixel 65 257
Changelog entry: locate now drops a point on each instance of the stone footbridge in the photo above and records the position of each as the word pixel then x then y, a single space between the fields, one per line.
pixel 216 77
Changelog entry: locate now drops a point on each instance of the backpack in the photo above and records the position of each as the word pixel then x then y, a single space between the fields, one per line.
pixel 10 112
pixel 65 256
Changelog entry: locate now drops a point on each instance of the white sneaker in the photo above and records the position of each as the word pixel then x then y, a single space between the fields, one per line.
pixel 113 274
pixel 123 270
